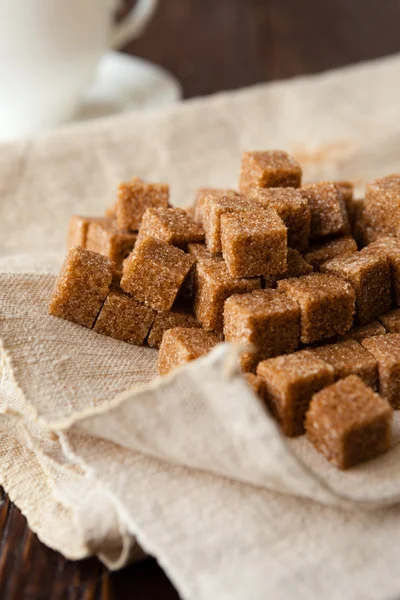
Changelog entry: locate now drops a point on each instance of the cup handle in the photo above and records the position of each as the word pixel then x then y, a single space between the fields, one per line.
pixel 133 24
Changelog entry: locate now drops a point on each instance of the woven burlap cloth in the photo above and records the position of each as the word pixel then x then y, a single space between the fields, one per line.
pixel 100 454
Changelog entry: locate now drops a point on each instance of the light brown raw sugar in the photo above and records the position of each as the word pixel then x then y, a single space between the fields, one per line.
pixel 349 423
pixel 125 319
pixel 81 286
pixel 254 243
pixel 318 254
pixel 292 208
pixel 111 212
pixel 386 350
pixel 326 305
pixel 382 204
pixel 255 383
pixel 270 168
pixel 328 210
pixel 369 274
pixel 168 320
pixel 172 225
pixel 201 252
pixel 390 246
pixel 360 332
pixel 154 273
pixel 391 321
pixel 350 358
pixel 213 208
pixel 289 384
pixel 134 198
pixel 182 345
pixel 213 285
pixel 78 230
pixel 266 319
pixel 201 196
pixel 105 238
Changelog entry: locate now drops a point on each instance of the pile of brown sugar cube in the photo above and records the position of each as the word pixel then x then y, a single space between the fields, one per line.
pixel 305 277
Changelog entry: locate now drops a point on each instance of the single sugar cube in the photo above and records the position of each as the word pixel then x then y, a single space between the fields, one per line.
pixel 328 210
pixel 270 168
pixel 296 267
pixel 254 243
pixel 172 225
pixel 213 208
pixel 361 332
pixel 292 208
pixel 168 320
pixel 134 198
pixel 326 305
pixel 390 246
pixel 182 345
pixel 289 384
pixel 123 318
pixel 369 274
pixel 321 253
pixel 349 358
pixel 391 321
pixel 201 196
pixel 154 273
pixel 267 319
pixel 255 383
pixel 81 286
pixel 382 204
pixel 386 350
pixel 78 230
pixel 105 238
pixel 213 285
pixel 349 423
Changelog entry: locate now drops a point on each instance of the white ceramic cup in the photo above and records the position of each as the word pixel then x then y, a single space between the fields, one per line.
pixel 49 50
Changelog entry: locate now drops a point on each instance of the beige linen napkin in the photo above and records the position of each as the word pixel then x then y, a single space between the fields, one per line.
pixel 97 451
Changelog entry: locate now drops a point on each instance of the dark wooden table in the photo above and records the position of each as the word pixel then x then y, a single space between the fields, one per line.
pixel 210 45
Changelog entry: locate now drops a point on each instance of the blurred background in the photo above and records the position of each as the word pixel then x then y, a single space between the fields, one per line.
pixel 207 46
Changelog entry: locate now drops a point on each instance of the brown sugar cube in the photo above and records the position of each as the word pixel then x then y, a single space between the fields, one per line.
pixel 201 252
pixel 326 305
pixel 201 196
pixel 369 274
pixel 213 285
pixel 391 321
pixel 271 168
pixel 349 423
pixel 134 198
pixel 296 267
pixel 105 238
pixel 81 286
pixel 172 225
pixel 328 210
pixel 168 320
pixel 256 383
pixel 267 319
pixel 382 204
pixel 181 345
pixel 291 207
pixel 111 212
pixel 213 208
pixel 254 243
pixel 122 318
pixel 349 358
pixel 386 350
pixel 390 246
pixel 289 384
pixel 78 230
pixel 361 332
pixel 321 253
pixel 154 273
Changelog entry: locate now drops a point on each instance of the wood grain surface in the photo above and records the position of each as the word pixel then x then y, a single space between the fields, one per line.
pixel 210 45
